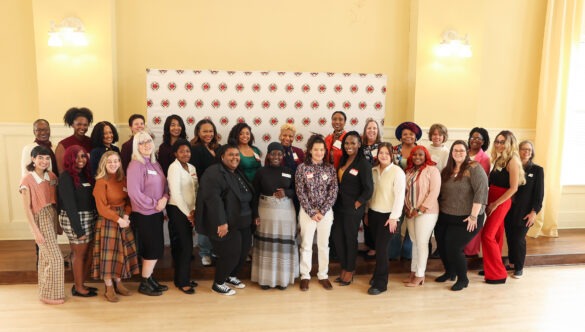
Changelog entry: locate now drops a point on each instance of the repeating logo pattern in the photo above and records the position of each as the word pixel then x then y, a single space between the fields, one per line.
pixel 264 99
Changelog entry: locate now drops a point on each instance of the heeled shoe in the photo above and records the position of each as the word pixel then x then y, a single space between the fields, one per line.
pixel 459 285
pixel 110 294
pixel 444 277
pixel 121 289
pixel 341 276
pixel 189 291
pixel 89 293
pixel 348 282
pixel 409 279
pixel 417 281
pixel 91 289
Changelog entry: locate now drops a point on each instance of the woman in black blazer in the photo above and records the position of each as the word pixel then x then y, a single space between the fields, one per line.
pixel 355 189
pixel 526 204
pixel 224 214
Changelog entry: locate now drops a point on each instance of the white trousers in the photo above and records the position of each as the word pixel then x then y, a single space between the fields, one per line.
pixel 308 228
pixel 420 229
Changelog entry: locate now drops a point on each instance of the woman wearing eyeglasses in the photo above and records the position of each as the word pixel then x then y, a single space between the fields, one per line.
pixel 505 177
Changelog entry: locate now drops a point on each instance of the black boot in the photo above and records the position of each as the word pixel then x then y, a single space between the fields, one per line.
pixel 157 286
pixel 147 288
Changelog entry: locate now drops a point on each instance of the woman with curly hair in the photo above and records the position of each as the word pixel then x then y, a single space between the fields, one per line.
pixel 79 119
pixel 78 215
pixel 103 137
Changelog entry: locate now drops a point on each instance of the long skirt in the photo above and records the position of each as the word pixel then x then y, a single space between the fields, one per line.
pixel 51 273
pixel 114 251
pixel 275 256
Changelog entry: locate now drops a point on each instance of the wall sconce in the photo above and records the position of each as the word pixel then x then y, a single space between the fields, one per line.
pixel 70 32
pixel 453 45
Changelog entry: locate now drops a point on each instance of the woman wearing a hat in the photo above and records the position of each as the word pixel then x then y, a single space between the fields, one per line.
pixel 275 261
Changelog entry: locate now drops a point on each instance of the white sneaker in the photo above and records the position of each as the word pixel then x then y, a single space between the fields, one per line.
pixel 206 261
pixel 222 289
pixel 235 282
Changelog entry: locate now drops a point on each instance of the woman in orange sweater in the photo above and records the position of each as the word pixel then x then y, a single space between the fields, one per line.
pixel 114 254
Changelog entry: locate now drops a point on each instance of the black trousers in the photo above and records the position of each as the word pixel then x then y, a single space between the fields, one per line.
pixel 181 234
pixel 381 236
pixel 231 253
pixel 516 239
pixel 369 240
pixel 452 236
pixel 345 234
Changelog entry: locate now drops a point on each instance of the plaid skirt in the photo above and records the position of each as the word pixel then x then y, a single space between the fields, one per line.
pixel 87 219
pixel 275 255
pixel 114 251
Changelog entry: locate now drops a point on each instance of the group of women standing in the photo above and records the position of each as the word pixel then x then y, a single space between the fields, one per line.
pixel 232 201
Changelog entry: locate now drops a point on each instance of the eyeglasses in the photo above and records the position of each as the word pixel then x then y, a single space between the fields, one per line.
pixel 476 138
pixel 499 142
pixel 526 149
pixel 459 151
pixel 145 142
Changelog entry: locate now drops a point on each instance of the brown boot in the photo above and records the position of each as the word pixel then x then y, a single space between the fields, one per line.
pixel 110 294
pixel 121 289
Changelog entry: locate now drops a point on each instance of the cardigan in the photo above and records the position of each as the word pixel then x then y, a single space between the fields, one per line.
pixel 73 199
pixel 458 196
pixel 427 187
pixel 183 185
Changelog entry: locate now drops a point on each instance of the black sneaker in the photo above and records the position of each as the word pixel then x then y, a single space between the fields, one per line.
pixel 157 286
pixel 146 288
pixel 235 282
pixel 517 274
pixel 222 289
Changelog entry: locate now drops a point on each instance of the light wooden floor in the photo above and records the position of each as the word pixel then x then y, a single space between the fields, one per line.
pixel 546 299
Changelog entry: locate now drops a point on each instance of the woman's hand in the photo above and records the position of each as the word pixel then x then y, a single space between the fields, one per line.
pixel 39 238
pixel 317 217
pixel 82 238
pixel 530 218
pixel 123 223
pixel 161 204
pixel 391 224
pixel 491 208
pixel 471 223
pixel 257 221
pixel 222 230
pixel 191 217
pixel 279 193
pixel 357 205
pixel 365 220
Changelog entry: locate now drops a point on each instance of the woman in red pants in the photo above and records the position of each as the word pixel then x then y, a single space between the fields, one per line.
pixel 506 175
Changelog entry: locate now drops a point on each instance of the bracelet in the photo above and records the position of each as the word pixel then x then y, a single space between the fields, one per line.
pixel 473 218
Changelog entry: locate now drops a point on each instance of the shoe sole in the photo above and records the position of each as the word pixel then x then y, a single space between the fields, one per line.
pixel 233 292
pixel 238 286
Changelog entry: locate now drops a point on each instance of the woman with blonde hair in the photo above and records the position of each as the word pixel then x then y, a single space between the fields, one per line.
pixel 506 175
pixel 114 252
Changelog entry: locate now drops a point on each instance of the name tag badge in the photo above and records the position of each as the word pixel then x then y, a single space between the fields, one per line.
pixel 87 184
pixel 375 153
pixel 337 144
pixel 309 175
pixel 295 157
pixel 530 175
pixel 353 171
pixel 256 156
pixel 324 177
pixel 151 172
pixel 286 175
pixel 124 189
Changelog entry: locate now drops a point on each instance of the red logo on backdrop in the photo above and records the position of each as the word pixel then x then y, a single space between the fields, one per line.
pixel 266 137
pixel 353 88
pixel 180 71
pixel 239 87
pixel 164 103
pixel 338 88
pixel 257 121
pixel 322 121
pixel 255 87
pixel 354 121
pixel 315 105
pixel 306 121
pixel 281 73
pixel 190 120
pixel 198 103
pixel 149 103
pixel 290 120
pixel 197 72
pixel 378 105
pixel 272 87
pixel 188 86
pixel 369 89
pixel 384 89
pixel 215 103
pixel 263 73
pixel 273 121
pixel 299 137
pixel 247 73
pixel 162 71
pixel 249 104
pixel 330 74
pixel 314 74
pixel 213 72
pixel 265 104
pixel 182 103
pixel 363 105
pixel 224 121
pixel 172 86
pixel 346 105
pixel 222 87
pixel 298 104
pixel 378 75
pixel 156 120
pixel 154 86
pixel 290 88
pixel 297 73
pixel 231 72
pixel 205 86
pixel 362 75
pixel 306 88
pixel 282 104
pixel 233 104
pixel 322 88
pixel 241 119
pixel 346 74
pixel 331 104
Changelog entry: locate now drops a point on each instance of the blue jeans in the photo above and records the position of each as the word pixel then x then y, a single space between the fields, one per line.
pixel 205 245
pixel 399 248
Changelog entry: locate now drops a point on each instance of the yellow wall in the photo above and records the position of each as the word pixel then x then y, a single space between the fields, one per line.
pixel 18 87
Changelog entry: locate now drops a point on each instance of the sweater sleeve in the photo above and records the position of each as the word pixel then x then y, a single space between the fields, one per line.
pixel 174 181
pixel 479 183
pixel 538 194
pixel 135 180
pixel 332 189
pixel 399 193
pixel 101 201
pixel 366 180
pixel 68 203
